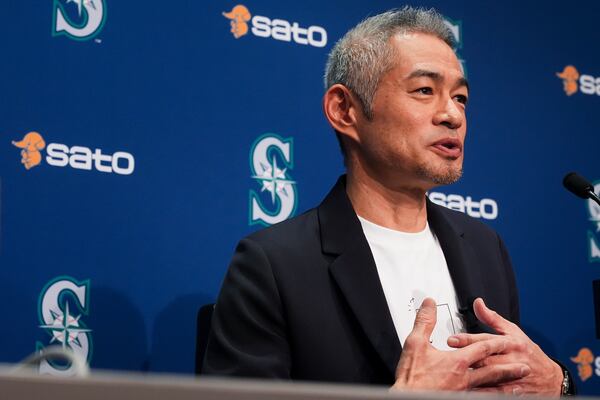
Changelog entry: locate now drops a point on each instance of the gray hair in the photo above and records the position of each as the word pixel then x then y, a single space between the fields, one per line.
pixel 360 58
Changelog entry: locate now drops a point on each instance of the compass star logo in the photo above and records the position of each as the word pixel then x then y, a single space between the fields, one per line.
pixel 272 179
pixel 80 3
pixel 57 301
pixel 65 328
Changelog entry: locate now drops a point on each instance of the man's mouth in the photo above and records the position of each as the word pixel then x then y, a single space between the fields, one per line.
pixel 448 147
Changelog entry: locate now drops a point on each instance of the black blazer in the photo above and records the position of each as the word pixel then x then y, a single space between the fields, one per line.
pixel 302 299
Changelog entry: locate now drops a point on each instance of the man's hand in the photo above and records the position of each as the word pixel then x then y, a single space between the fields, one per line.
pixel 423 367
pixel 546 376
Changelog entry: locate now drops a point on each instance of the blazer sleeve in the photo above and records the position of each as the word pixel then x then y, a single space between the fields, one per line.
pixel 514 316
pixel 248 334
pixel 514 312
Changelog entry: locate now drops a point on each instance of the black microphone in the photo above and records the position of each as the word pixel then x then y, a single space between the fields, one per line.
pixel 580 186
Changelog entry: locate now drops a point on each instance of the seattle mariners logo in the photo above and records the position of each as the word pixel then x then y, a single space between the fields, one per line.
pixel 456 29
pixel 272 179
pixel 82 23
pixel 594 211
pixel 59 302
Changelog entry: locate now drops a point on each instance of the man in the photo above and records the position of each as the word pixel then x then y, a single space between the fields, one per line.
pixel 334 294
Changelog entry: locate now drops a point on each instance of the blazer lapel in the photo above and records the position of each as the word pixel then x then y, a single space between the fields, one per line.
pixel 354 271
pixel 466 276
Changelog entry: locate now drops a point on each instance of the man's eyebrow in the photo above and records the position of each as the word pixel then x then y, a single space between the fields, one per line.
pixel 436 76
pixel 419 73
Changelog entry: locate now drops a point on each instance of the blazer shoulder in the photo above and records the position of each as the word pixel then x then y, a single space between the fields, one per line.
pixel 289 234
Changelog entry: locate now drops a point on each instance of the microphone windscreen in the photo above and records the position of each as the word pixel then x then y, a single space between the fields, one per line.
pixel 578 185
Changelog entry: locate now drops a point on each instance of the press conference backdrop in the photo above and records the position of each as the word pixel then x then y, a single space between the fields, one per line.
pixel 140 140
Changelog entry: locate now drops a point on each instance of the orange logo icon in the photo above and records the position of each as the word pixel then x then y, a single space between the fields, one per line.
pixel 239 15
pixel 584 359
pixel 570 75
pixel 31 144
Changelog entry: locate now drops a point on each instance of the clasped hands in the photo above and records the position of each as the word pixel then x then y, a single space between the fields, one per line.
pixel 507 362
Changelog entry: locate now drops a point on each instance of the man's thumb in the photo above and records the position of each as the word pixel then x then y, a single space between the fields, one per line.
pixel 426 318
pixel 489 317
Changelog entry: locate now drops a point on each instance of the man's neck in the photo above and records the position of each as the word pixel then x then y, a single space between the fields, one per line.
pixel 399 208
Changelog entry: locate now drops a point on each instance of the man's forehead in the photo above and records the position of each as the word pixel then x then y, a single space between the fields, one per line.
pixel 417 39
pixel 436 74
pixel 423 48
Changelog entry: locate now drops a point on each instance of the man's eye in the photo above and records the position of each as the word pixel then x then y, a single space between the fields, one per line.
pixel 461 99
pixel 425 90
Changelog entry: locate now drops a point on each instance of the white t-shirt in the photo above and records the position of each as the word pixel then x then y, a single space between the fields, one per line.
pixel 412 266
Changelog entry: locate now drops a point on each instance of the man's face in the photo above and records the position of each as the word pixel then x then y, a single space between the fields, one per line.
pixel 417 132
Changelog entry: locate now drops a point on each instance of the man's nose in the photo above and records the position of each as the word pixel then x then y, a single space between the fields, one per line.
pixel 449 115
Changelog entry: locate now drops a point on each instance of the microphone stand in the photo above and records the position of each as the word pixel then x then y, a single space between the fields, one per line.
pixel 594 197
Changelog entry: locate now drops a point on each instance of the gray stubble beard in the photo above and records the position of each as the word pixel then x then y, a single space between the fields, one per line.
pixel 449 176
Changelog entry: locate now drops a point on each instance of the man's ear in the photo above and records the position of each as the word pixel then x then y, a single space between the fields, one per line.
pixel 342 109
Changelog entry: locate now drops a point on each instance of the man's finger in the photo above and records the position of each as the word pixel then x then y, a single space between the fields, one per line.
pixel 426 318
pixel 465 339
pixel 490 318
pixel 497 374
pixel 480 350
pixel 498 359
pixel 514 390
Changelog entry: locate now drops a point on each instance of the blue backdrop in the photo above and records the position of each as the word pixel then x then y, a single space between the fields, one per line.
pixel 140 140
